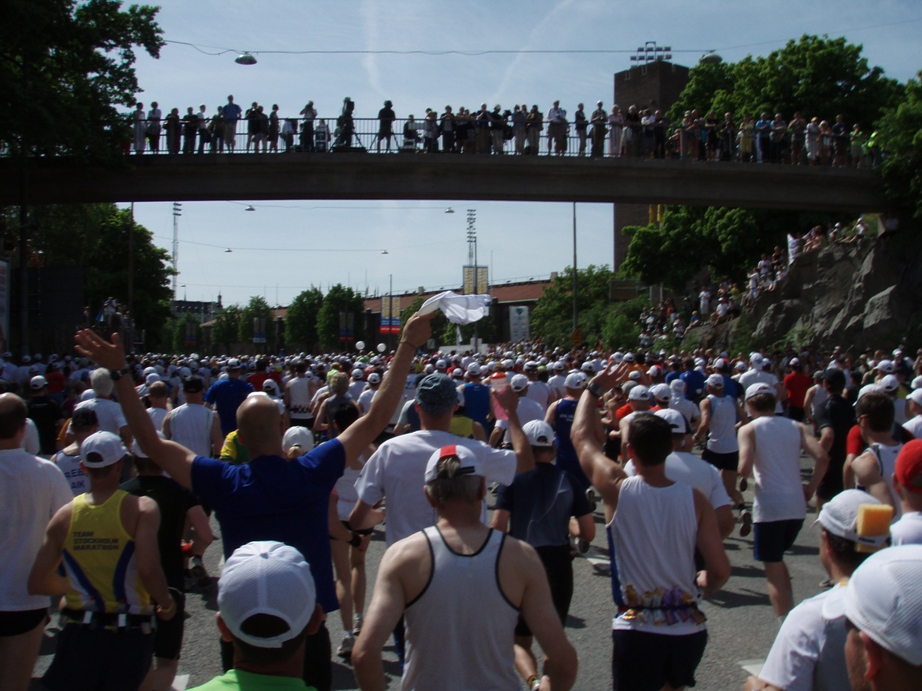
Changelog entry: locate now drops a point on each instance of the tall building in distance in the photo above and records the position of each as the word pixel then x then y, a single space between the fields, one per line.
pixel 656 83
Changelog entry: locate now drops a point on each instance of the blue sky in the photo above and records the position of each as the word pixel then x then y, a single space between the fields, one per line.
pixel 304 243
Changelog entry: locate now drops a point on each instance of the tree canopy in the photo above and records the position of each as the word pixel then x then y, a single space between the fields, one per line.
pixel 552 317
pixel 226 327
pixel 301 319
pixel 95 238
pixel 257 307
pixel 727 242
pixel 819 76
pixel 901 136
pixel 340 299
pixel 66 68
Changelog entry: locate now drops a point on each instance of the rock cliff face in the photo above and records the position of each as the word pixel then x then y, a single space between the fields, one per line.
pixel 855 296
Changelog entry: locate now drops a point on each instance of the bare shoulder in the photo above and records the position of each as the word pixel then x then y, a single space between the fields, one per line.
pixel 409 562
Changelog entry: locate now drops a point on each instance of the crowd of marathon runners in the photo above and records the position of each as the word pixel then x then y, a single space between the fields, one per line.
pixel 112 464
pixel 605 131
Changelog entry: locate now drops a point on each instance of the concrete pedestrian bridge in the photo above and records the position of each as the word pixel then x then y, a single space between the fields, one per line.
pixel 362 176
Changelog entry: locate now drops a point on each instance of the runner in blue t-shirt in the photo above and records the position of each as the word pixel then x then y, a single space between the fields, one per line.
pixel 226 395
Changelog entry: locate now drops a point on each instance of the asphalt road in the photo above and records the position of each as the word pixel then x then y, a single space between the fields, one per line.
pixel 741 624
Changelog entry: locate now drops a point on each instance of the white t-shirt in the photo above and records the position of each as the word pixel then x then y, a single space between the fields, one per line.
pixel 527 410
pixel 356 388
pixel 396 471
pixel 365 400
pixel 158 415
pixel 907 530
pixel 70 466
pixel 557 385
pixel 757 376
pixel 779 494
pixel 30 442
pixel 809 652
pixel 539 392
pixel 31 492
pixel 689 410
pixel 688 469
pixel 108 413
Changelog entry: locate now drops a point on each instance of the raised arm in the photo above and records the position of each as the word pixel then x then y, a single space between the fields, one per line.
pixel 363 431
pixel 604 475
pixel 173 458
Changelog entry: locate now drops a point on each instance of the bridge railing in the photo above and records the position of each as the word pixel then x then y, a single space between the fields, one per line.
pixel 421 136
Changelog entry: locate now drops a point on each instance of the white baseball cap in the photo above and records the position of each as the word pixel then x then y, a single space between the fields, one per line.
pixel 470 463
pixel 756 389
pixel 38 382
pixel 675 419
pixel 102 449
pixel 883 599
pixel 539 433
pixel 889 383
pixel 298 436
pixel 839 516
pixel 639 393
pixel 374 378
pixel 266 577
pixel 661 392
pixel 715 381
pixel 473 369
pixel 885 366
pixel 519 382
pixel 575 380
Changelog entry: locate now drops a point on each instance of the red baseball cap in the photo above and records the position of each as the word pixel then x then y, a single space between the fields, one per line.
pixel 909 466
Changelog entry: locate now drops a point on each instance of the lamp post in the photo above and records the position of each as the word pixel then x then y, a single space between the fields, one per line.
pixel 177 212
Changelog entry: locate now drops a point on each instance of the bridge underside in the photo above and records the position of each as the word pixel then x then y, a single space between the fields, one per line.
pixel 450 177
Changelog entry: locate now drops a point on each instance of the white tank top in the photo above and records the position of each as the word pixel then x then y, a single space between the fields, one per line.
pixel 300 396
pixel 778 489
pixel 190 425
pixel 476 650
pixel 346 493
pixel 652 543
pixel 722 430
pixel 886 460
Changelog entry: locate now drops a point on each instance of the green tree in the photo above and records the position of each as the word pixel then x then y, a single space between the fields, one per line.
pixel 96 237
pixel 301 319
pixel 727 242
pixel 65 69
pixel 257 307
pixel 622 327
pixel 552 317
pixel 226 327
pixel 900 135
pixel 339 299
pixel 819 76
pixel 185 326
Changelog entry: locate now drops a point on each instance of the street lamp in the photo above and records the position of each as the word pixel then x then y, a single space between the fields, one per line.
pixel 245 59
pixel 711 58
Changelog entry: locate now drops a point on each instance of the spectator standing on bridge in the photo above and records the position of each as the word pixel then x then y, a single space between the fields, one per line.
pixel 190 124
pixel 274 129
pixel 140 129
pixel 763 133
pixel 840 142
pixel 288 133
pixel 232 114
pixel 498 129
pixel 447 128
pixel 308 115
pixel 598 120
pixel 251 117
pixel 616 125
pixel 798 128
pixel 322 136
pixel 173 127
pixel 556 127
pixel 534 123
pixel 581 125
pixel 518 127
pixel 204 136
pixel 778 133
pixel 386 117
pixel 153 126
pixel 216 128
pixel 482 126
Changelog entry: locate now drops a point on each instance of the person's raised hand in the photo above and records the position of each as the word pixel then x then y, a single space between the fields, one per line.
pixel 105 354
pixel 418 329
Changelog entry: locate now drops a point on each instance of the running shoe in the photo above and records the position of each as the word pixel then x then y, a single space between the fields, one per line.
pixel 345 647
pixel 827 583
pixel 590 495
pixel 580 545
pixel 199 574
pixel 357 621
pixel 745 522
pixel 744 484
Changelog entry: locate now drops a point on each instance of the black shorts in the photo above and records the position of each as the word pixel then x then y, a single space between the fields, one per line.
pixel 18 623
pixel 559 569
pixel 642 661
pixel 795 414
pixel 99 659
pixel 168 636
pixel 832 482
pixel 722 461
pixel 771 540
